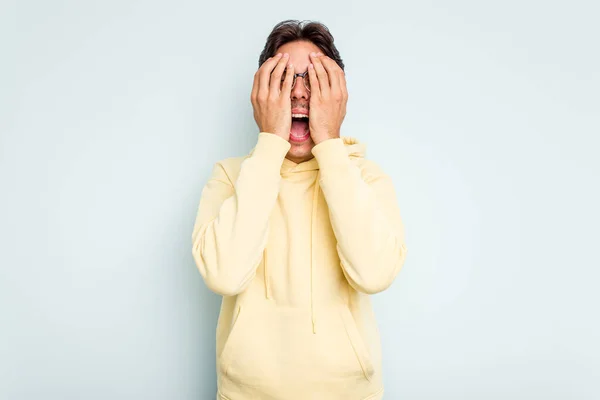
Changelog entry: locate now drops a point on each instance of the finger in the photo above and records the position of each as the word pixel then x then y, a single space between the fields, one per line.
pixel 254 91
pixel 286 90
pixel 265 75
pixel 333 71
pixel 322 76
pixel 343 84
pixel 315 87
pixel 275 84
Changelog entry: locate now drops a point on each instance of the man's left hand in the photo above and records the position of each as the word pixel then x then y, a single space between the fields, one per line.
pixel 328 98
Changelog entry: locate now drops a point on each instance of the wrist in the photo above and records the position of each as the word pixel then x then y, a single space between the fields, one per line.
pixel 320 138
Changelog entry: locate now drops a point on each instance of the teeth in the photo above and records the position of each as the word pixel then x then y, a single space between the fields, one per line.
pixel 299 116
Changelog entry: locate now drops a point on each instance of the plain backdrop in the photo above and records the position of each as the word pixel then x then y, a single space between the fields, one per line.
pixel 486 115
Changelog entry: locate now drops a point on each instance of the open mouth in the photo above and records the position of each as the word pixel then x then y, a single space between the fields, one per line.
pixel 300 131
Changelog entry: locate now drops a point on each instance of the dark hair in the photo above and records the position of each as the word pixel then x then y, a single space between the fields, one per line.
pixel 292 30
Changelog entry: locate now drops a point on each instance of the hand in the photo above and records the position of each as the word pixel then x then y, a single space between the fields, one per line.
pixel 270 100
pixel 328 98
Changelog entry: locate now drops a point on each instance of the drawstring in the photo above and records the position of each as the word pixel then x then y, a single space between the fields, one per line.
pixel 313 250
pixel 267 283
pixel 312 256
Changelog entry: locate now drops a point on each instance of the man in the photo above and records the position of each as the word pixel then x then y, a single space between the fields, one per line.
pixel 297 234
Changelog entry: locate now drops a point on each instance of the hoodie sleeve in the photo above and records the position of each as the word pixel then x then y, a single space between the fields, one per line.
pixel 364 216
pixel 231 227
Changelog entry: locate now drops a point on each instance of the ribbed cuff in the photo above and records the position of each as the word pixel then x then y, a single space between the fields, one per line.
pixel 331 154
pixel 271 147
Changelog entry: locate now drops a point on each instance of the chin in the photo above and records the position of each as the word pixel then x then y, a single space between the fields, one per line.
pixel 305 146
pixel 302 150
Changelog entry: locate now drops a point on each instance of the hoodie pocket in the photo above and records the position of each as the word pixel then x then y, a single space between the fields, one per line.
pixel 278 345
pixel 357 342
pixel 235 328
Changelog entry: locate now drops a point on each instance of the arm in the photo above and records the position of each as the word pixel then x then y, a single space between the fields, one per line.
pixel 231 227
pixel 364 216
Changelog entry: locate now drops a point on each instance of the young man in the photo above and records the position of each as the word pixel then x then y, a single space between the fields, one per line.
pixel 297 234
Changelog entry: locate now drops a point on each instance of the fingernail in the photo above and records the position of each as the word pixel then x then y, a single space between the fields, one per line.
pixel 313 54
pixel 278 55
pixel 285 54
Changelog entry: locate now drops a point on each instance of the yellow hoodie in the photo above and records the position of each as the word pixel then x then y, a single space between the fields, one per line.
pixel 295 250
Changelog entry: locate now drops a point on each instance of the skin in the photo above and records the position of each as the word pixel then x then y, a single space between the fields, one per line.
pixel 326 102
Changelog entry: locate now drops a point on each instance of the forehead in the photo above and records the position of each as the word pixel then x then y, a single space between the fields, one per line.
pixel 299 51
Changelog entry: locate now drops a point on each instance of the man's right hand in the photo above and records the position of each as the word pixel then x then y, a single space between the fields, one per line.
pixel 270 100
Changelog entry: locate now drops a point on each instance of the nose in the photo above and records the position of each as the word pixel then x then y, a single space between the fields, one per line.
pixel 299 90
